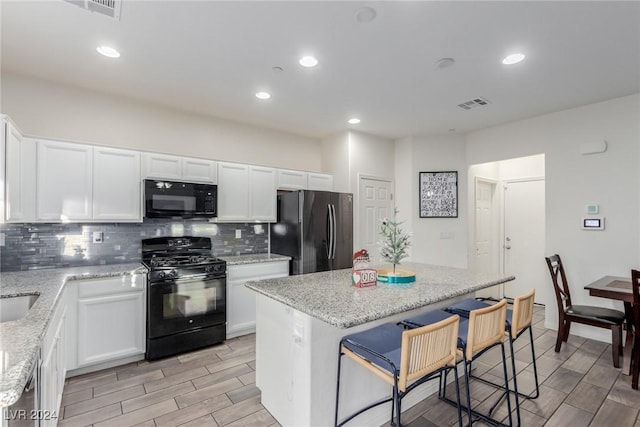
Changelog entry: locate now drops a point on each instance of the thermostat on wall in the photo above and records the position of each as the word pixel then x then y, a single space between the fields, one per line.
pixel 593 223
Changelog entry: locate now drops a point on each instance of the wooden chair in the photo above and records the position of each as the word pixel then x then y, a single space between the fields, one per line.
pixel 483 330
pixel 635 359
pixel 403 358
pixel 585 314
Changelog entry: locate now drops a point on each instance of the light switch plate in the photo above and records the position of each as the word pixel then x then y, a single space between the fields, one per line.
pixel 1 239
pixel 238 234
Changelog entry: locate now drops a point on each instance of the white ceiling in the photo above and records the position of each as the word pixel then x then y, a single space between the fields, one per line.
pixel 211 57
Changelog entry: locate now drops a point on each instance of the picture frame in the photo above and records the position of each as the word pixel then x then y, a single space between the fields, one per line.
pixel 438 194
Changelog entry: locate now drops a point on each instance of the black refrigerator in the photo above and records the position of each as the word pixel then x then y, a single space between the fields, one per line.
pixel 314 228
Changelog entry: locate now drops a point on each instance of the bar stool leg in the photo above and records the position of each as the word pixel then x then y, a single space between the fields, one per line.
pixel 506 382
pixel 335 422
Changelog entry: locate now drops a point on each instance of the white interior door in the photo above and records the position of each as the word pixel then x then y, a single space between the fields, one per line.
pixel 524 239
pixel 484 258
pixel 375 204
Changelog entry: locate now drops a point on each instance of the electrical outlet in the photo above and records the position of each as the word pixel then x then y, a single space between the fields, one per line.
pixel 1 239
pixel 98 237
pixel 238 234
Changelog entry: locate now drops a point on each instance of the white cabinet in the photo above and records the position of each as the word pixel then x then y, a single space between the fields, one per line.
pixel 246 193
pixel 292 180
pixel 241 301
pixel 20 178
pixel 233 192
pixel 111 318
pixel 262 194
pixel 64 181
pixel 319 181
pixel 53 366
pixel 116 185
pixel 165 166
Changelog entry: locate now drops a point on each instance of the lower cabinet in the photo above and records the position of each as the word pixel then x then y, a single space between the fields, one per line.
pixel 111 319
pixel 53 367
pixel 241 301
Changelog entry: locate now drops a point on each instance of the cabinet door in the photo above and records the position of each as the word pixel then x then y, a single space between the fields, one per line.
pixel 292 180
pixel 110 327
pixel 162 166
pixel 233 191
pixel 116 185
pixel 199 170
pixel 52 368
pixel 241 301
pixel 20 176
pixel 262 190
pixel 64 175
pixel 319 181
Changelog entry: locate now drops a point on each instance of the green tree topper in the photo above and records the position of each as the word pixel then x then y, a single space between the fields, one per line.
pixel 394 242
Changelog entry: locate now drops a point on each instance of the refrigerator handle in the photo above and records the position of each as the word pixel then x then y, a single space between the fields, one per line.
pixel 335 232
pixel 329 232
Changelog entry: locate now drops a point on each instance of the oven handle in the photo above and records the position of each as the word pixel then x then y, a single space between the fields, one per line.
pixel 207 278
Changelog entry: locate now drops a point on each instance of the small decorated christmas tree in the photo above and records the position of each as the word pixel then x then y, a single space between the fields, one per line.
pixel 394 242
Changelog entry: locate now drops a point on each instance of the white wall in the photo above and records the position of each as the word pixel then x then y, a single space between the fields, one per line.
pixel 425 154
pixel 573 180
pixel 335 160
pixel 50 110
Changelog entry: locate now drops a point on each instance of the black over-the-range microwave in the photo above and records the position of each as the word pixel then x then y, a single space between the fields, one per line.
pixel 172 199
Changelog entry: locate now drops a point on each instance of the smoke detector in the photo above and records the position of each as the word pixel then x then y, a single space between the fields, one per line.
pixel 476 102
pixel 110 8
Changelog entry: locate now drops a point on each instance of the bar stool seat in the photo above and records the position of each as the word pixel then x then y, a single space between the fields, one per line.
pixel 403 358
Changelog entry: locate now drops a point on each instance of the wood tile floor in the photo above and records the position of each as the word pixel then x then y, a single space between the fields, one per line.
pixel 216 387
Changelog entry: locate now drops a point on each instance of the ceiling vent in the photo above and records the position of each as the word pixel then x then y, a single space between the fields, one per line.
pixel 476 102
pixel 111 8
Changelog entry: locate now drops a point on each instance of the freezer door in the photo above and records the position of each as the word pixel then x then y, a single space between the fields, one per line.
pixel 316 233
pixel 343 245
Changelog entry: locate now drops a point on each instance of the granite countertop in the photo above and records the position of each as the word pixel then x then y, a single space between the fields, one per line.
pixel 253 258
pixel 20 339
pixel 330 297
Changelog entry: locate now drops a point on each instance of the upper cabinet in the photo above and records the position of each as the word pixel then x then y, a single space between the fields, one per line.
pixel 262 194
pixel 116 185
pixel 77 182
pixel 164 166
pixel 20 178
pixel 319 181
pixel 292 180
pixel 246 193
pixel 64 181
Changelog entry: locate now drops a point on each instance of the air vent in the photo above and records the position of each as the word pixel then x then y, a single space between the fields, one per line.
pixel 110 8
pixel 476 102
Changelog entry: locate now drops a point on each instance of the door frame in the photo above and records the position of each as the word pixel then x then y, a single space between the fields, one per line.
pixel 357 243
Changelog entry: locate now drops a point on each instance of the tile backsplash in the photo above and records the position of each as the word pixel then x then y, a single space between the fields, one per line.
pixel 36 246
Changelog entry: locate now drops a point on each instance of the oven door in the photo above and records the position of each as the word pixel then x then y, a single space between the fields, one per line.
pixel 186 304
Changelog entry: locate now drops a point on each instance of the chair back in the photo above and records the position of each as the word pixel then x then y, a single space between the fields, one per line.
pixel 522 315
pixel 486 327
pixel 560 284
pixel 427 349
pixel 635 286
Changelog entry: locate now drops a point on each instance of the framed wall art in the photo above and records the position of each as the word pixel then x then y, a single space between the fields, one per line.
pixel 438 194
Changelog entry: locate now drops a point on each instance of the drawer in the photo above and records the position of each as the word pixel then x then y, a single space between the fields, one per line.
pixel 258 271
pixel 112 285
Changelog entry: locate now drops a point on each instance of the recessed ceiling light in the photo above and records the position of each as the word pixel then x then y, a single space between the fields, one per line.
pixel 365 14
pixel 308 61
pixel 263 95
pixel 513 59
pixel 354 121
pixel 108 51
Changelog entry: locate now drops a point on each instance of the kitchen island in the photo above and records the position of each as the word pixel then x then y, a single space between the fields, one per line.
pixel 301 319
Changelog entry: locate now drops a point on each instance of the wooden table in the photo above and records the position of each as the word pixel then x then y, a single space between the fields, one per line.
pixel 618 288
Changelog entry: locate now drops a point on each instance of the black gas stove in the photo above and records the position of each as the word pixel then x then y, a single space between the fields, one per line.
pixel 186 305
